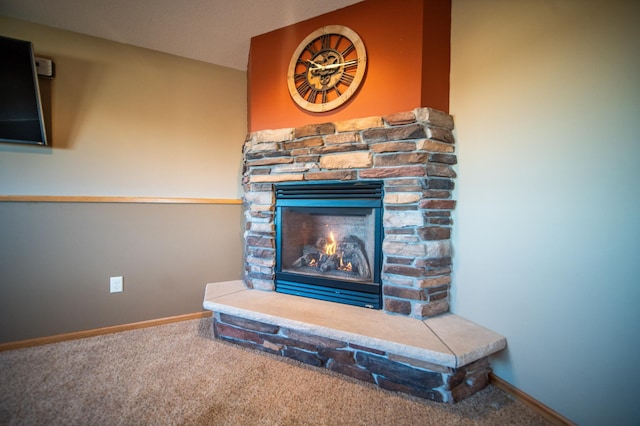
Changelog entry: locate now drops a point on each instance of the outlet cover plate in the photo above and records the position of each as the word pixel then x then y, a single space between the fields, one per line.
pixel 116 284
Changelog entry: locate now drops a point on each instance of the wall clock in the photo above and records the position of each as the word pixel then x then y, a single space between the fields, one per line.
pixel 327 68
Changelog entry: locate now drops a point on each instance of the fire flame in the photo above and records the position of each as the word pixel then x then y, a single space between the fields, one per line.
pixel 330 247
pixel 347 267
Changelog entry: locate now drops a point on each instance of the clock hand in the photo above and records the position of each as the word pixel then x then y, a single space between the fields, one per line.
pixel 316 65
pixel 331 66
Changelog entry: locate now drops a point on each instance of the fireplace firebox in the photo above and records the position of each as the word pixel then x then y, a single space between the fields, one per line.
pixel 328 241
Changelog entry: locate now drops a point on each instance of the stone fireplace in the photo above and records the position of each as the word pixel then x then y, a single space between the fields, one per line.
pixel 375 193
pixel 411 154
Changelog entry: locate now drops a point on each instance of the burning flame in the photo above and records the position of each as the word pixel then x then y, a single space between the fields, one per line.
pixel 330 247
pixel 347 267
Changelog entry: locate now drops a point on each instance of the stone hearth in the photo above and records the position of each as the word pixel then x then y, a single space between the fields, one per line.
pixel 444 359
pixel 412 153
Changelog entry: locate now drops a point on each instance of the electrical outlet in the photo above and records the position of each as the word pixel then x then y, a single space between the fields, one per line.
pixel 116 284
pixel 44 67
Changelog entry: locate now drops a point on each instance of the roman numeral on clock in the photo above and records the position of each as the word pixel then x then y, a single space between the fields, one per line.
pixel 346 79
pixel 326 42
pixel 303 88
pixel 348 50
pixel 313 94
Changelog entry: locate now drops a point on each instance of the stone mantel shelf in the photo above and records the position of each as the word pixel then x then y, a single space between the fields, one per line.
pixel 447 340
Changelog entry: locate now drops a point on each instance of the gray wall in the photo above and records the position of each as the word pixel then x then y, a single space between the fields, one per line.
pixel 546 101
pixel 56 260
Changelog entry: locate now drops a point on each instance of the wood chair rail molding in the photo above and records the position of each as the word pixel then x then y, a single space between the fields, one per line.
pixel 39 341
pixel 93 199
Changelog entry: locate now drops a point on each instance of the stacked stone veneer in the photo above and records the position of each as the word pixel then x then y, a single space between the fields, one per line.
pixel 389 371
pixel 411 152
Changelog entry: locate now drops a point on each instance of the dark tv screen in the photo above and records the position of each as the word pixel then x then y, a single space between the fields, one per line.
pixel 21 119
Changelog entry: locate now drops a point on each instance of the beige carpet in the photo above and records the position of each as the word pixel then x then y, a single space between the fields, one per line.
pixel 176 374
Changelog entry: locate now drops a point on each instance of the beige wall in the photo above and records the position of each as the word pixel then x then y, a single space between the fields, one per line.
pixel 546 101
pixel 126 122
pixel 130 122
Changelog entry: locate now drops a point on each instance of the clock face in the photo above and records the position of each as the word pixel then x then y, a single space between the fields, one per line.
pixel 326 68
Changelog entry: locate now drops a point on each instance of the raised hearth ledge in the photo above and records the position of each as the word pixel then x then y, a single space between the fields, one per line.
pixel 446 340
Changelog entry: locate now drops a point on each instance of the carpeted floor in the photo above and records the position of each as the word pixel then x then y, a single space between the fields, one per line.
pixel 176 374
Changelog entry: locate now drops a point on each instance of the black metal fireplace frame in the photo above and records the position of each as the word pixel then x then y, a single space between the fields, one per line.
pixel 340 198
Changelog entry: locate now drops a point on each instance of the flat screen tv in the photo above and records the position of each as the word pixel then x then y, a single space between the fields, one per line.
pixel 21 119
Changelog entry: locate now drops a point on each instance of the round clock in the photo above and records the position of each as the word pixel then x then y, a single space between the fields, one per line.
pixel 326 68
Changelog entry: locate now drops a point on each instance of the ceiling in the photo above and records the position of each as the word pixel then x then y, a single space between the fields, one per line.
pixel 214 31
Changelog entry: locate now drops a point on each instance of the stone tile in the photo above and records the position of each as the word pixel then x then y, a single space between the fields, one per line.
pixel 350 160
pixel 216 290
pixel 285 177
pixel 468 341
pixel 434 117
pixel 400 118
pixel 359 124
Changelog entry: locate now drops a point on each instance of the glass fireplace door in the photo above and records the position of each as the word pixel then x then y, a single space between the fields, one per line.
pixel 328 246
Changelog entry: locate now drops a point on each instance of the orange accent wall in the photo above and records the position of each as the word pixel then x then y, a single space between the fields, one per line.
pixel 408 55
